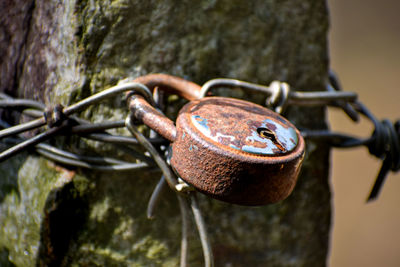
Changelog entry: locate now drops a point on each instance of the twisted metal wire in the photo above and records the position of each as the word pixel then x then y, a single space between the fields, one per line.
pixel 52 131
pixel 280 96
pixel 384 142
pixel 64 123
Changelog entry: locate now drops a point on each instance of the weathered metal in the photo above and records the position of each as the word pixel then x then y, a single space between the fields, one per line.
pixel 171 84
pixel 153 118
pixel 230 149
pixel 222 150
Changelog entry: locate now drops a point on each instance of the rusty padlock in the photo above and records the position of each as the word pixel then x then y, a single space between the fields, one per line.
pixel 232 150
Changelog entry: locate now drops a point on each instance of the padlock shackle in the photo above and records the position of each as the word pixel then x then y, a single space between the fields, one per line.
pixel 171 84
pixel 143 111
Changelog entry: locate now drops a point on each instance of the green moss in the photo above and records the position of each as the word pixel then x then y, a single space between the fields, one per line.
pixel 198 40
pixel 22 209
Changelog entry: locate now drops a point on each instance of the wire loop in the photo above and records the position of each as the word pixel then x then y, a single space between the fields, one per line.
pixel 280 96
pixel 384 143
pixel 386 146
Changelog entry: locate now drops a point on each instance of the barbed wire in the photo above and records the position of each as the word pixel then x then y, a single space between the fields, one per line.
pixel 58 121
pixel 384 142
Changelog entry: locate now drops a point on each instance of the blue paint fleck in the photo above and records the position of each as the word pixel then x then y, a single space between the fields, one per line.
pixel 201 121
pixel 251 141
pixel 233 146
pixel 201 124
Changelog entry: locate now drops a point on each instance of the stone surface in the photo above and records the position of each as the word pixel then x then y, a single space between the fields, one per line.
pixel 66 50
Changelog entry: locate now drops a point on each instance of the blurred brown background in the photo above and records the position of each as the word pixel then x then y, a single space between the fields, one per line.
pixel 365 53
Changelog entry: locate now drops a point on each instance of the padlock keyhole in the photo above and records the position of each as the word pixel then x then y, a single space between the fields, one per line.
pixel 271 135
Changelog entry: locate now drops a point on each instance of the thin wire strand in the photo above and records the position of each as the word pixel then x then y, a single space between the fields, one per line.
pixel 334 85
pixel 319 98
pixel 89 162
pixel 82 164
pixel 33 113
pixel 295 97
pixel 233 83
pixel 88 159
pixel 120 139
pixel 124 143
pixel 25 103
pixel 155 197
pixel 17 129
pixel 79 106
pixel 338 140
pixel 31 142
pixel 97 127
pixel 169 176
pixel 201 226
pixel 184 209
pixel 345 106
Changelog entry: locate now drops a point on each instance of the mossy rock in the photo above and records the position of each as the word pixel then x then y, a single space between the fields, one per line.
pixel 52 215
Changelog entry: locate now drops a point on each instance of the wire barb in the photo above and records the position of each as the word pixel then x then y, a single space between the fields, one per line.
pixel 384 142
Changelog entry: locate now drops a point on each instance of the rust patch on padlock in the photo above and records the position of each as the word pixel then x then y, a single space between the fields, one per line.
pixel 245 132
pixel 237 151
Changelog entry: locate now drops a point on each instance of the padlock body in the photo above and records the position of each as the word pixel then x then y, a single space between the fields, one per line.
pixel 237 151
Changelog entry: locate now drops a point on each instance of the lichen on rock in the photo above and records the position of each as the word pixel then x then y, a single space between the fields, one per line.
pixel 78 217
